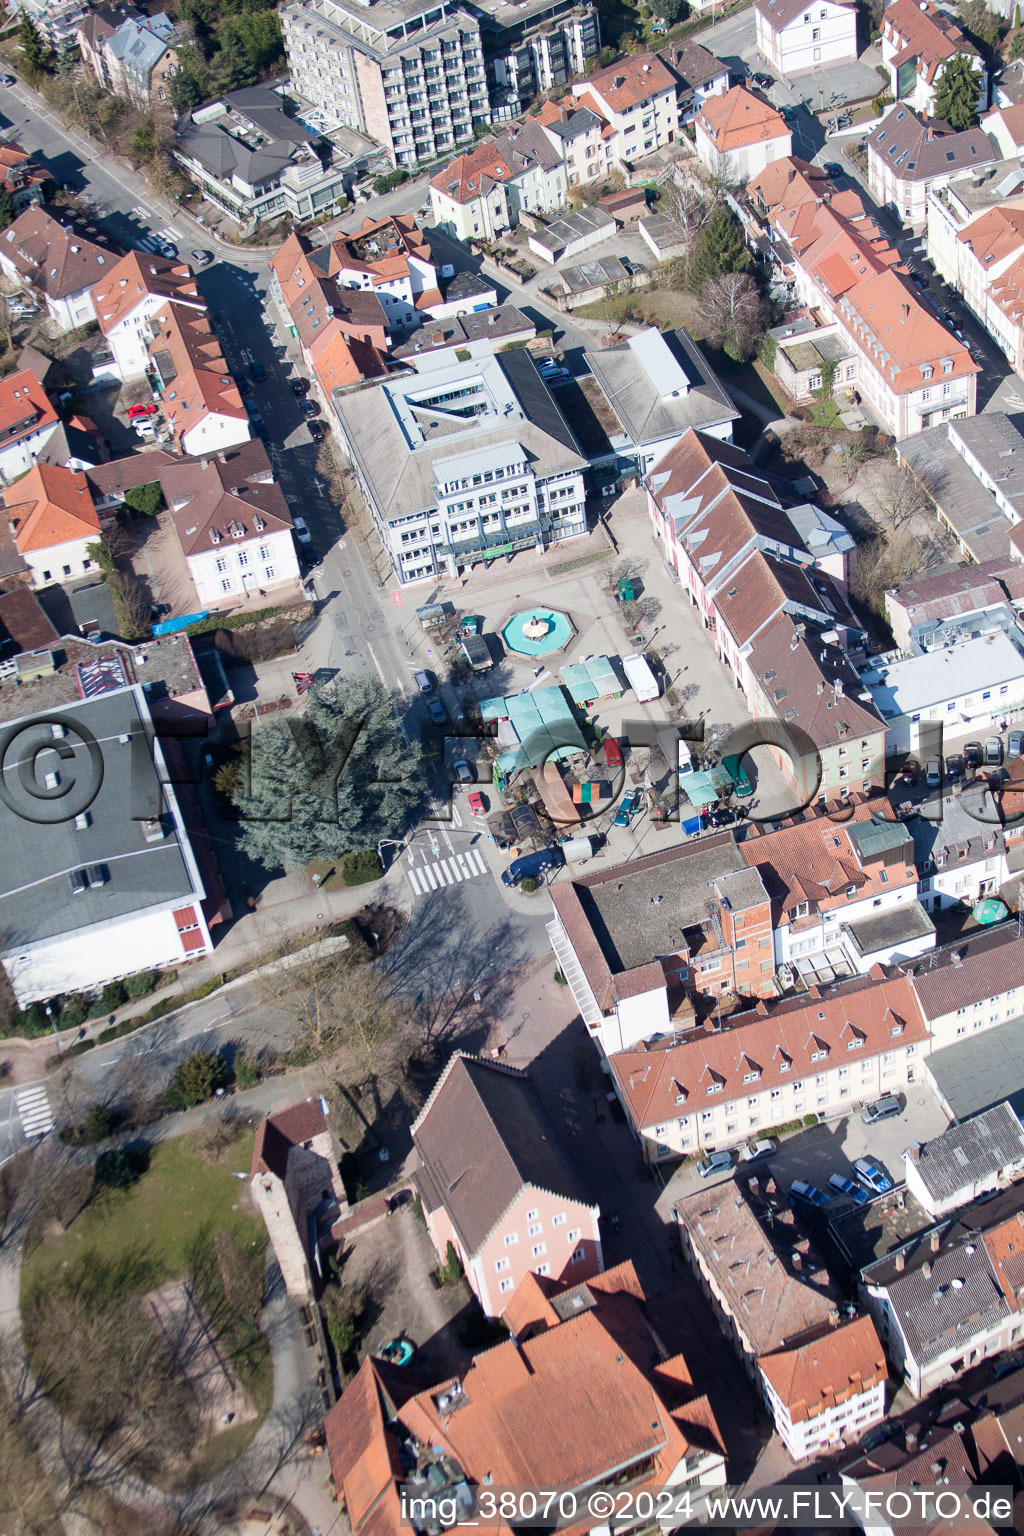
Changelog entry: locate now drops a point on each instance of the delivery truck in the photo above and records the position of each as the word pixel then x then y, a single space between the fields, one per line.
pixel 640 677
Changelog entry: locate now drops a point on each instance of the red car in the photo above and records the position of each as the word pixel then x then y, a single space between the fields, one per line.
pixel 612 752
pixel 476 803
pixel 141 410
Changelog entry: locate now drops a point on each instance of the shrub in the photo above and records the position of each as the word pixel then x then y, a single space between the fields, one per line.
pixel 138 985
pixel 74 1012
pixel 247 1069
pixel 344 1309
pixel 560 980
pixel 392 180
pixel 450 1272
pixel 359 867
pixel 112 996
pixel 98 1123
pixel 810 1120
pixel 116 1169
pixel 195 1080
pixel 77 1049
pixel 528 886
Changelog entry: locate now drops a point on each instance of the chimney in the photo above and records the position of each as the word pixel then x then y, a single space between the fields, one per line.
pixel 754 1185
pixel 926 1268
pixel 935 1241
pixel 915 1151
pixel 901 1263
pixel 204 463
pixel 911 1439
pixel 904 313
pixel 798 1262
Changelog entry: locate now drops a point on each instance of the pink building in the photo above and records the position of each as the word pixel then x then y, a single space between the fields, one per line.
pixel 497 1183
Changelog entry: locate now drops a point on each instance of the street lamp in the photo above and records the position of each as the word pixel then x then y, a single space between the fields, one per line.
pixel 53 1026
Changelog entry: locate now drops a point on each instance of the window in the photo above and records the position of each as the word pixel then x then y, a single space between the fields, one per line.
pixel 575 1235
pixel 559 1220
pixel 222 564
pixel 506 1285
pixel 578 1257
pixel 538 1250
pixel 511 1238
pixel 534 1230
pixel 226 584
pixel 502 1264
pixel 532 1215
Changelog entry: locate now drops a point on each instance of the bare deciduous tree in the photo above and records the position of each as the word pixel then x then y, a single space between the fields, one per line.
pixel 900 495
pixel 689 204
pixel 881 564
pixel 733 313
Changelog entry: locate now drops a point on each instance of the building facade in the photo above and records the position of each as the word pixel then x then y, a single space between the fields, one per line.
pixel 794 35
pixel 739 134
pixel 295 1182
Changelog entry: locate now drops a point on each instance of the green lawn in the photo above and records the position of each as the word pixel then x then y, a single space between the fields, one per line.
pixel 825 414
pixel 161 1215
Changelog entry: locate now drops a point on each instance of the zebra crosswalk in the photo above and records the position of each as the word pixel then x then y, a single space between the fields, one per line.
pixel 438 874
pixel 34 1111
pixel 157 241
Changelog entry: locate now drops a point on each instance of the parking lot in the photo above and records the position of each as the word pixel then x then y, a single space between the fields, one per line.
pixel 833 1147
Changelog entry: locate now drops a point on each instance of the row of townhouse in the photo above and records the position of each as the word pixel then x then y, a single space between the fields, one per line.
pixel 612 119
pixel 690 1090
pixel 976 243
pixel 912 371
pixel 820 1371
pixel 131 55
pixel 777 611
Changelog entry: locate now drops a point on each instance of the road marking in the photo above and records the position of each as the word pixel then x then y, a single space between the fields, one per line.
pixel 34 1111
pixel 442 873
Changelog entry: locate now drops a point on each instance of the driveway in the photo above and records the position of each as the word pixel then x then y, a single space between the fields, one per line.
pixel 833 1147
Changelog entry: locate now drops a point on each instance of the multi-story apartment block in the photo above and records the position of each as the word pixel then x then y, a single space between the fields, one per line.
pixel 21 178
pixel 27 422
pixel 201 401
pixel 256 162
pixel 539 48
pixel 908 155
pixel 391 259
pixel 582 138
pixel 636 99
pixel 918 39
pixel 480 194
pixel 342 331
pixel 135 288
pixel 639 942
pixel 738 134
pixel 970 986
pixel 698 74
pixel 797 35
pixel 977 245
pixel 948 1299
pixel 498 1185
pixel 56 21
pixel 846 885
pixel 412 79
pixel 822 1378
pixel 57 262
pixel 721 1082
pixel 466 460
pixel 912 371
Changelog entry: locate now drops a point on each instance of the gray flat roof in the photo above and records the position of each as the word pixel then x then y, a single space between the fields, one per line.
pixel 897 925
pixel 648 417
pixel 983 1145
pixel 985 1069
pixel 571 226
pixel 964 502
pixel 588 274
pixel 144 866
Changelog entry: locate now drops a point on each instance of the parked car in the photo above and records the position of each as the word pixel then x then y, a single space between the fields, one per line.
pixel 310 409
pixel 955 767
pixel 202 258
pixel 257 370
pixel 723 816
pixel 733 766
pixel 715 1162
pixel 685 759
pixel 631 803
pixel 463 772
pixel 477 803
pixel 8 80
pixel 1015 744
pixel 757 1147
pixel 1007 1363
pixel 870 1173
pixel 612 752
pixel 993 751
pixel 833 169
pixel 302 532
pixel 911 769
pixel 973 754
pixel 532 865
pixel 801 1190
pixel 881 1109
pixel 424 681
pixel 437 711
pixel 933 772
pixel 316 431
pixel 135 411
pixel 844 1186
pixel 299 386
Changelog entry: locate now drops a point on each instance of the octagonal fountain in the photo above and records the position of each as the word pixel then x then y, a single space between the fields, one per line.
pixel 537 631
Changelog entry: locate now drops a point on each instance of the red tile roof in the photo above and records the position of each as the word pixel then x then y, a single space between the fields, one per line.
pixel 52 257
pixel 739 118
pixel 919 29
pixel 18 170
pixel 363 1450
pixel 780 1042
pixel 826 1371
pixel 191 361
pixel 24 407
pixel 634 79
pixel 473 174
pixel 137 276
pixel 48 506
